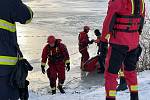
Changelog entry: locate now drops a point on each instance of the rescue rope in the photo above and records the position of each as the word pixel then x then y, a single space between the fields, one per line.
pixel 70 81
pixel 80 50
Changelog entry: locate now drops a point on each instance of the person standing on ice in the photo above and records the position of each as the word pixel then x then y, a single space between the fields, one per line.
pixel 101 59
pixel 101 52
pixel 58 59
pixel 11 11
pixel 83 47
pixel 122 26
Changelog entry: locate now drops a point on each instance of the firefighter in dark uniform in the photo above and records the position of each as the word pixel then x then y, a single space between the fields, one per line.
pixel 11 11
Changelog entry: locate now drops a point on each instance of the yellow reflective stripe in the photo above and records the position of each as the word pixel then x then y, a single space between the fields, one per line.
pixel 28 21
pixel 7 25
pixel 107 37
pixel 43 64
pixel 112 93
pixel 7 60
pixel 60 84
pixel 21 58
pixel 7 63
pixel 54 88
pixel 134 87
pixel 67 61
pixel 56 49
pixel 132 1
pixel 143 6
pixel 8 57
pixel 31 14
pixel 121 73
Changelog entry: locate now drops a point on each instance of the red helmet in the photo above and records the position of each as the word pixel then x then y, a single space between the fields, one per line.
pixel 51 39
pixel 86 28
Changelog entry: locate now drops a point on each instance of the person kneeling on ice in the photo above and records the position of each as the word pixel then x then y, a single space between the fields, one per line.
pixel 58 59
pixel 83 47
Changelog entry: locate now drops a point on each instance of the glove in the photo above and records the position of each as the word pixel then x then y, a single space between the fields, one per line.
pixel 91 42
pixel 68 67
pixel 43 69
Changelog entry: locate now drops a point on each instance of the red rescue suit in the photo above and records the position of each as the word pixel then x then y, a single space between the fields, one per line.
pixel 122 26
pixel 57 57
pixel 83 46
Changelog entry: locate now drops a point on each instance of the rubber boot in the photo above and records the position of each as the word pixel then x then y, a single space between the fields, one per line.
pixel 61 89
pixel 134 96
pixel 123 85
pixel 53 90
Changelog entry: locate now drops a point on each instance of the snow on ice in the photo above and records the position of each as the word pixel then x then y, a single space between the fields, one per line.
pixel 64 19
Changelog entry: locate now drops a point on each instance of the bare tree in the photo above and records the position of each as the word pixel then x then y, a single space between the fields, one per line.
pixel 144 61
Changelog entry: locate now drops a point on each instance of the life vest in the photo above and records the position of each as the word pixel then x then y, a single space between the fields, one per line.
pixel 54 54
pixel 130 23
pixel 83 40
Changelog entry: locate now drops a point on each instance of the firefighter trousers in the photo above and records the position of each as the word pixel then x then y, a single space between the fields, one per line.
pixel 116 56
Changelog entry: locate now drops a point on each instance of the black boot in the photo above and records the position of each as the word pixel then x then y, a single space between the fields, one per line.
pixel 123 85
pixel 134 96
pixel 61 89
pixel 53 92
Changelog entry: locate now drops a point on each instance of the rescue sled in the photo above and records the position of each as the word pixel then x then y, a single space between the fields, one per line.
pixel 91 64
